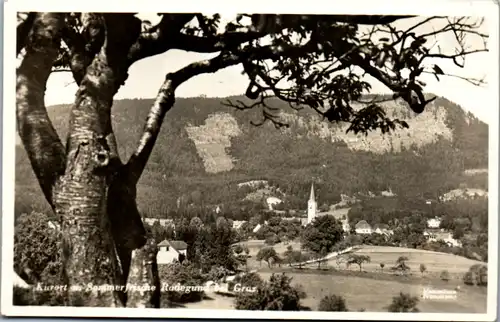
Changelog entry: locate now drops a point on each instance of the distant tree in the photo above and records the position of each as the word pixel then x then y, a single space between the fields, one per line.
pixel 287 255
pixel 445 275
pixel 271 239
pixel 298 257
pixel 403 303
pixel 382 265
pixel 401 265
pixel 267 254
pixel 332 303
pixel 423 268
pixel 468 278
pixel 158 232
pixel 339 260
pixel 358 260
pixel 277 294
pixel 196 223
pixel 241 256
pixel 402 260
pixel 458 232
pixel 322 235
pixel 477 275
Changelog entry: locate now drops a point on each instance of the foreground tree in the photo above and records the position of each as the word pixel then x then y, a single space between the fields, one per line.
pixel 278 294
pixel 315 61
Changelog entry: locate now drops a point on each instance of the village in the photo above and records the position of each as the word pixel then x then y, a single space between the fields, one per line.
pixel 172 250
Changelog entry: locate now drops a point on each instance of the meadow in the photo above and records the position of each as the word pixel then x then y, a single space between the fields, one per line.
pixel 434 262
pixel 374 295
pixel 372 289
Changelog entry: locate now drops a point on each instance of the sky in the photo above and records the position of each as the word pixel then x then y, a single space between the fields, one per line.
pixel 146 76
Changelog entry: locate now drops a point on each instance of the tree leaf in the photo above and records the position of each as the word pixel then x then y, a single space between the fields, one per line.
pixel 438 70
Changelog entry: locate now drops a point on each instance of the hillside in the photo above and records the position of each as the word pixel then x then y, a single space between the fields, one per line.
pixel 206 149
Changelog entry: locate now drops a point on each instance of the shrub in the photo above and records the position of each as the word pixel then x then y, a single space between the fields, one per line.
pixel 445 276
pixel 183 274
pixel 277 294
pixel 403 303
pixel 332 303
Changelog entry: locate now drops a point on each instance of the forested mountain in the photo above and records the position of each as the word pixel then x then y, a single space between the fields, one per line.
pixel 206 149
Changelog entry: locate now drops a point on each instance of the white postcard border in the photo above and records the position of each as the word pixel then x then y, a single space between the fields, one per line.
pixel 422 7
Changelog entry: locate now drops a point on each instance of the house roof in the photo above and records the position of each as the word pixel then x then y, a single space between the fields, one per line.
pixel 443 235
pixel 362 224
pixel 175 244
pixel 381 226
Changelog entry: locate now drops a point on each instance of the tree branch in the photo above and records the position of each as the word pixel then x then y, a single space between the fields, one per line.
pixel 40 139
pixel 23 30
pixel 164 37
pixel 82 47
pixel 159 39
pixel 367 19
pixel 166 95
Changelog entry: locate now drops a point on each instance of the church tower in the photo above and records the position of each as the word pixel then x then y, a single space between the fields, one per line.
pixel 311 206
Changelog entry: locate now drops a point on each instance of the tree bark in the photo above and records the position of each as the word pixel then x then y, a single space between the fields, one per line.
pixel 43 146
pixel 86 184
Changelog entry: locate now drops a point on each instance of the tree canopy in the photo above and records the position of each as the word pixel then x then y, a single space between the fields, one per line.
pixel 306 60
pixel 318 61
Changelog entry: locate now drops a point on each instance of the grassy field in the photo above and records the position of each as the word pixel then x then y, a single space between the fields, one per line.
pixel 374 295
pixel 434 262
pixel 372 289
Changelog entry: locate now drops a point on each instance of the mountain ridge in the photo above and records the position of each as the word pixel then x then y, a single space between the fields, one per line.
pixel 206 148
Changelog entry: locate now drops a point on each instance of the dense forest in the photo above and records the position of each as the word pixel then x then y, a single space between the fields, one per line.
pixel 416 166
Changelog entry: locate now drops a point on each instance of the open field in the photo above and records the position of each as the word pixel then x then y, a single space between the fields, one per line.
pixel 374 295
pixel 435 262
pixel 371 289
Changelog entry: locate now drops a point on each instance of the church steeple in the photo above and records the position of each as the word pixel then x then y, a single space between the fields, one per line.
pixel 311 196
pixel 311 206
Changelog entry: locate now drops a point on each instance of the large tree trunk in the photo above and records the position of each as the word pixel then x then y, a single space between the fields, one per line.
pixel 88 187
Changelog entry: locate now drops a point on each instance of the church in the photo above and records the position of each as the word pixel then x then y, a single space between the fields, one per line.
pixel 340 214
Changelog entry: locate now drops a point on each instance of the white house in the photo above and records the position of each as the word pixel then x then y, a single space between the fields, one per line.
pixel 162 222
pixel 238 223
pixel 383 229
pixel 273 201
pixel 363 228
pixel 170 250
pixel 434 222
pixel 54 225
pixel 447 237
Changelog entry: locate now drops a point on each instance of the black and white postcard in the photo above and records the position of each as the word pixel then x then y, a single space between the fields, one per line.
pixel 264 159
